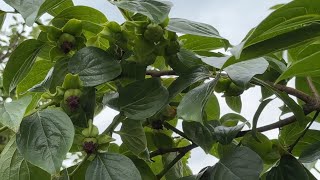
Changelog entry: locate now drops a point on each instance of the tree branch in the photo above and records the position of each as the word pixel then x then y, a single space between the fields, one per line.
pixel 177 131
pixel 165 151
pixel 154 73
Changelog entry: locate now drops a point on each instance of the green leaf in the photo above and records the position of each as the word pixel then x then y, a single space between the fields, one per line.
pixel 145 171
pixel 225 135
pixel 185 26
pixel 27 8
pixel 284 28
pixel 134 138
pixel 50 5
pixel 13 166
pixel 311 137
pixel 234 103
pixel 2 18
pixel 12 113
pixel 193 103
pixel 94 66
pixel 256 116
pixel 44 139
pixel 201 43
pixel 83 13
pixel 242 164
pixel 290 133
pixel 241 73
pixel 308 65
pixel 288 169
pixel 212 108
pixel 311 153
pixel 142 99
pixel 157 11
pixel 232 119
pixel 202 135
pixel 176 171
pixel 60 7
pixel 20 63
pixel 185 80
pixel 37 73
pixel 112 167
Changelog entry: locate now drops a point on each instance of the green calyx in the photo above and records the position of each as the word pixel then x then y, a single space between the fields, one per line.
pixel 66 42
pixel 92 131
pixel 153 33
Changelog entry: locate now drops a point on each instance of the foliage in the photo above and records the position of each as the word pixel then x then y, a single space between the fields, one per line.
pixel 156 71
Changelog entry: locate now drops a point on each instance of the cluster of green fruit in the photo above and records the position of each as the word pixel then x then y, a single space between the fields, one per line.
pixel 229 88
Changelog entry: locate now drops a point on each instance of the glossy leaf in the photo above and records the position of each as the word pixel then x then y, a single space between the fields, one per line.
pixel 242 164
pixel 94 66
pixel 234 103
pixel 193 103
pixel 142 99
pixel 311 153
pixel 112 166
pixel 212 108
pixel 134 138
pixel 288 169
pixel 201 43
pixel 20 63
pixel 44 139
pixel 256 116
pixel 14 166
pixel 11 114
pixel 157 11
pixel 185 26
pixel 241 73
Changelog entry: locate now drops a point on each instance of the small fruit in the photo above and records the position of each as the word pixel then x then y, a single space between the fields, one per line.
pixel 72 98
pixel 234 90
pixel 153 33
pixel 66 42
pixel 262 148
pixel 222 84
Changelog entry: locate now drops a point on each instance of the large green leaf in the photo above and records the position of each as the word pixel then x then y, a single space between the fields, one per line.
pixel 134 138
pixel 185 80
pixel 84 13
pixel 306 65
pixel 60 7
pixel 311 137
pixel 202 135
pixel 2 18
pixel 241 73
pixel 193 103
pixel 311 153
pixel 145 171
pixel 157 11
pixel 44 139
pixel 284 28
pixel 50 5
pixel 142 99
pixel 177 170
pixel 27 8
pixel 94 66
pixel 241 164
pixel 289 168
pixel 20 63
pixel 112 167
pixel 201 43
pixel 212 108
pixel 37 73
pixel 13 166
pixel 185 26
pixel 11 114
pixel 234 103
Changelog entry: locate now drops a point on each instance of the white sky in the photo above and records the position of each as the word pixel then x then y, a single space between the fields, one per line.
pixel 233 19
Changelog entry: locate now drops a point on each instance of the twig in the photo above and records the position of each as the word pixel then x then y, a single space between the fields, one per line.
pixel 154 73
pixel 177 131
pixel 313 89
pixel 116 121
pixel 304 132
pixel 165 151
pixel 174 161
pixel 79 165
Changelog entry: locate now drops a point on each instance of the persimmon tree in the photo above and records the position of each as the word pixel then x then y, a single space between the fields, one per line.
pixel 158 71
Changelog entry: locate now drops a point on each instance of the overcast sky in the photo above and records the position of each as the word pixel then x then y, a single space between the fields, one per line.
pixel 233 19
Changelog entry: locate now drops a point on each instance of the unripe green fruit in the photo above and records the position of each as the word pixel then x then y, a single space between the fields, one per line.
pixel 114 26
pixel 94 140
pixel 72 92
pixel 222 85
pixel 234 90
pixel 153 33
pixel 66 42
pixel 172 48
pixel 262 148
